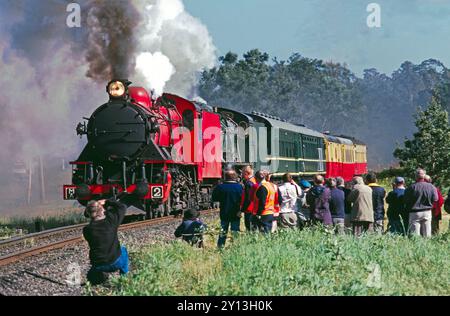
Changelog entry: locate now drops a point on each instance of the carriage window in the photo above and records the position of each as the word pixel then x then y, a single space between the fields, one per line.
pixel 321 165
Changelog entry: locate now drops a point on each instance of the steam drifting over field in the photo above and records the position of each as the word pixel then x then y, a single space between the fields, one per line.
pixel 53 75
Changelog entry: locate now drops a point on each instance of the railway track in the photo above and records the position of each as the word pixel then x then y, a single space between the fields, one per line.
pixel 43 234
pixel 78 238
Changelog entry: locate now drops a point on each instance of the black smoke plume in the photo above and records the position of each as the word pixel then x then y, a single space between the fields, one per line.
pixel 111 46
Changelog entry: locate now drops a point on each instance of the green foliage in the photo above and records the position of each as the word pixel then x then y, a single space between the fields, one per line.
pixel 327 96
pixel 391 173
pixel 304 91
pixel 430 147
pixel 443 93
pixel 311 262
pixel 6 232
pixel 387 177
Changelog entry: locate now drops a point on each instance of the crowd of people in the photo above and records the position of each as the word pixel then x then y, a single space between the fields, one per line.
pixel 354 207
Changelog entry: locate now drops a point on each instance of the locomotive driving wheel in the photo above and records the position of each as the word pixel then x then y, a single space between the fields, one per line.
pixel 167 208
pixel 152 211
pixel 148 211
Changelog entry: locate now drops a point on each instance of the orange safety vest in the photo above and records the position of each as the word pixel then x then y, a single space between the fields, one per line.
pixel 270 200
pixel 276 201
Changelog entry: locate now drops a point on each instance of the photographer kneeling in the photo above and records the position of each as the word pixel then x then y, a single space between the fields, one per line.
pixel 106 254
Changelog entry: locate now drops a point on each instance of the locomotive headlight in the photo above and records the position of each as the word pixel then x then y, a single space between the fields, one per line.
pixel 116 89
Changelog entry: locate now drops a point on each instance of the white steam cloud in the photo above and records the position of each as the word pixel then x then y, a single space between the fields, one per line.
pixel 157 70
pixel 174 47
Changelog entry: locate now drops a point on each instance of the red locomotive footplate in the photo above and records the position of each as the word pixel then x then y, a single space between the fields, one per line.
pixel 156 191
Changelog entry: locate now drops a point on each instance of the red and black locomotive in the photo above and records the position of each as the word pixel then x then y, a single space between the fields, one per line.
pixel 168 153
pixel 131 142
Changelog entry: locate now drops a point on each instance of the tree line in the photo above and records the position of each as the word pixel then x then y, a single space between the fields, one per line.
pixel 376 108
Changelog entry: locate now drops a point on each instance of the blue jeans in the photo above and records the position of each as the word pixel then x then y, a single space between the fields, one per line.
pixel 95 274
pixel 248 221
pixel 225 225
pixel 265 223
pixel 396 227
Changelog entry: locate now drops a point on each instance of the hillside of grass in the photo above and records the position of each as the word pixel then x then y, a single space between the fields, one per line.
pixel 309 262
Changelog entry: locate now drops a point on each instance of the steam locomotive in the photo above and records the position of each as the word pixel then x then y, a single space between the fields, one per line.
pixel 168 153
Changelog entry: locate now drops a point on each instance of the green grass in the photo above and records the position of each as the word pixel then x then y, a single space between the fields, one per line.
pixel 310 262
pixel 13 226
pixel 6 232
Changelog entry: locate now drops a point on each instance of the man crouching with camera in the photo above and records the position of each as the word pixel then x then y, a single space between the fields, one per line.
pixel 106 254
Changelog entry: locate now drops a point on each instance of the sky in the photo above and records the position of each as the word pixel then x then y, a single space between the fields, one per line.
pixel 337 30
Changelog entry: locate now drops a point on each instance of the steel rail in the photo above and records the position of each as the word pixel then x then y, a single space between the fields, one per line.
pixel 43 234
pixel 18 256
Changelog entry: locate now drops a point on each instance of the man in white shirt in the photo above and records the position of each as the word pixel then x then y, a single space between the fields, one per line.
pixel 289 193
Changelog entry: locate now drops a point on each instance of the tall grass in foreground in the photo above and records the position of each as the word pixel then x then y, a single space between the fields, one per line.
pixel 310 262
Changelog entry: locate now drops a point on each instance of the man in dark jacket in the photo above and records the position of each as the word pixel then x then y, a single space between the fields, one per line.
pixel 337 206
pixel 346 188
pixel 378 195
pixel 318 198
pixel 229 195
pixel 106 254
pixel 419 200
pixel 398 218
pixel 192 228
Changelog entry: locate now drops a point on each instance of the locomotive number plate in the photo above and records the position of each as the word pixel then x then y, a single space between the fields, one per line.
pixel 157 192
pixel 69 193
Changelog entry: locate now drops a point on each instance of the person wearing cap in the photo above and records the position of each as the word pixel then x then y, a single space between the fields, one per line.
pixel 318 199
pixel 229 195
pixel 288 195
pixel 191 229
pixel 436 212
pixel 378 195
pixel 397 217
pixel 264 203
pixel 247 200
pixel 419 200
